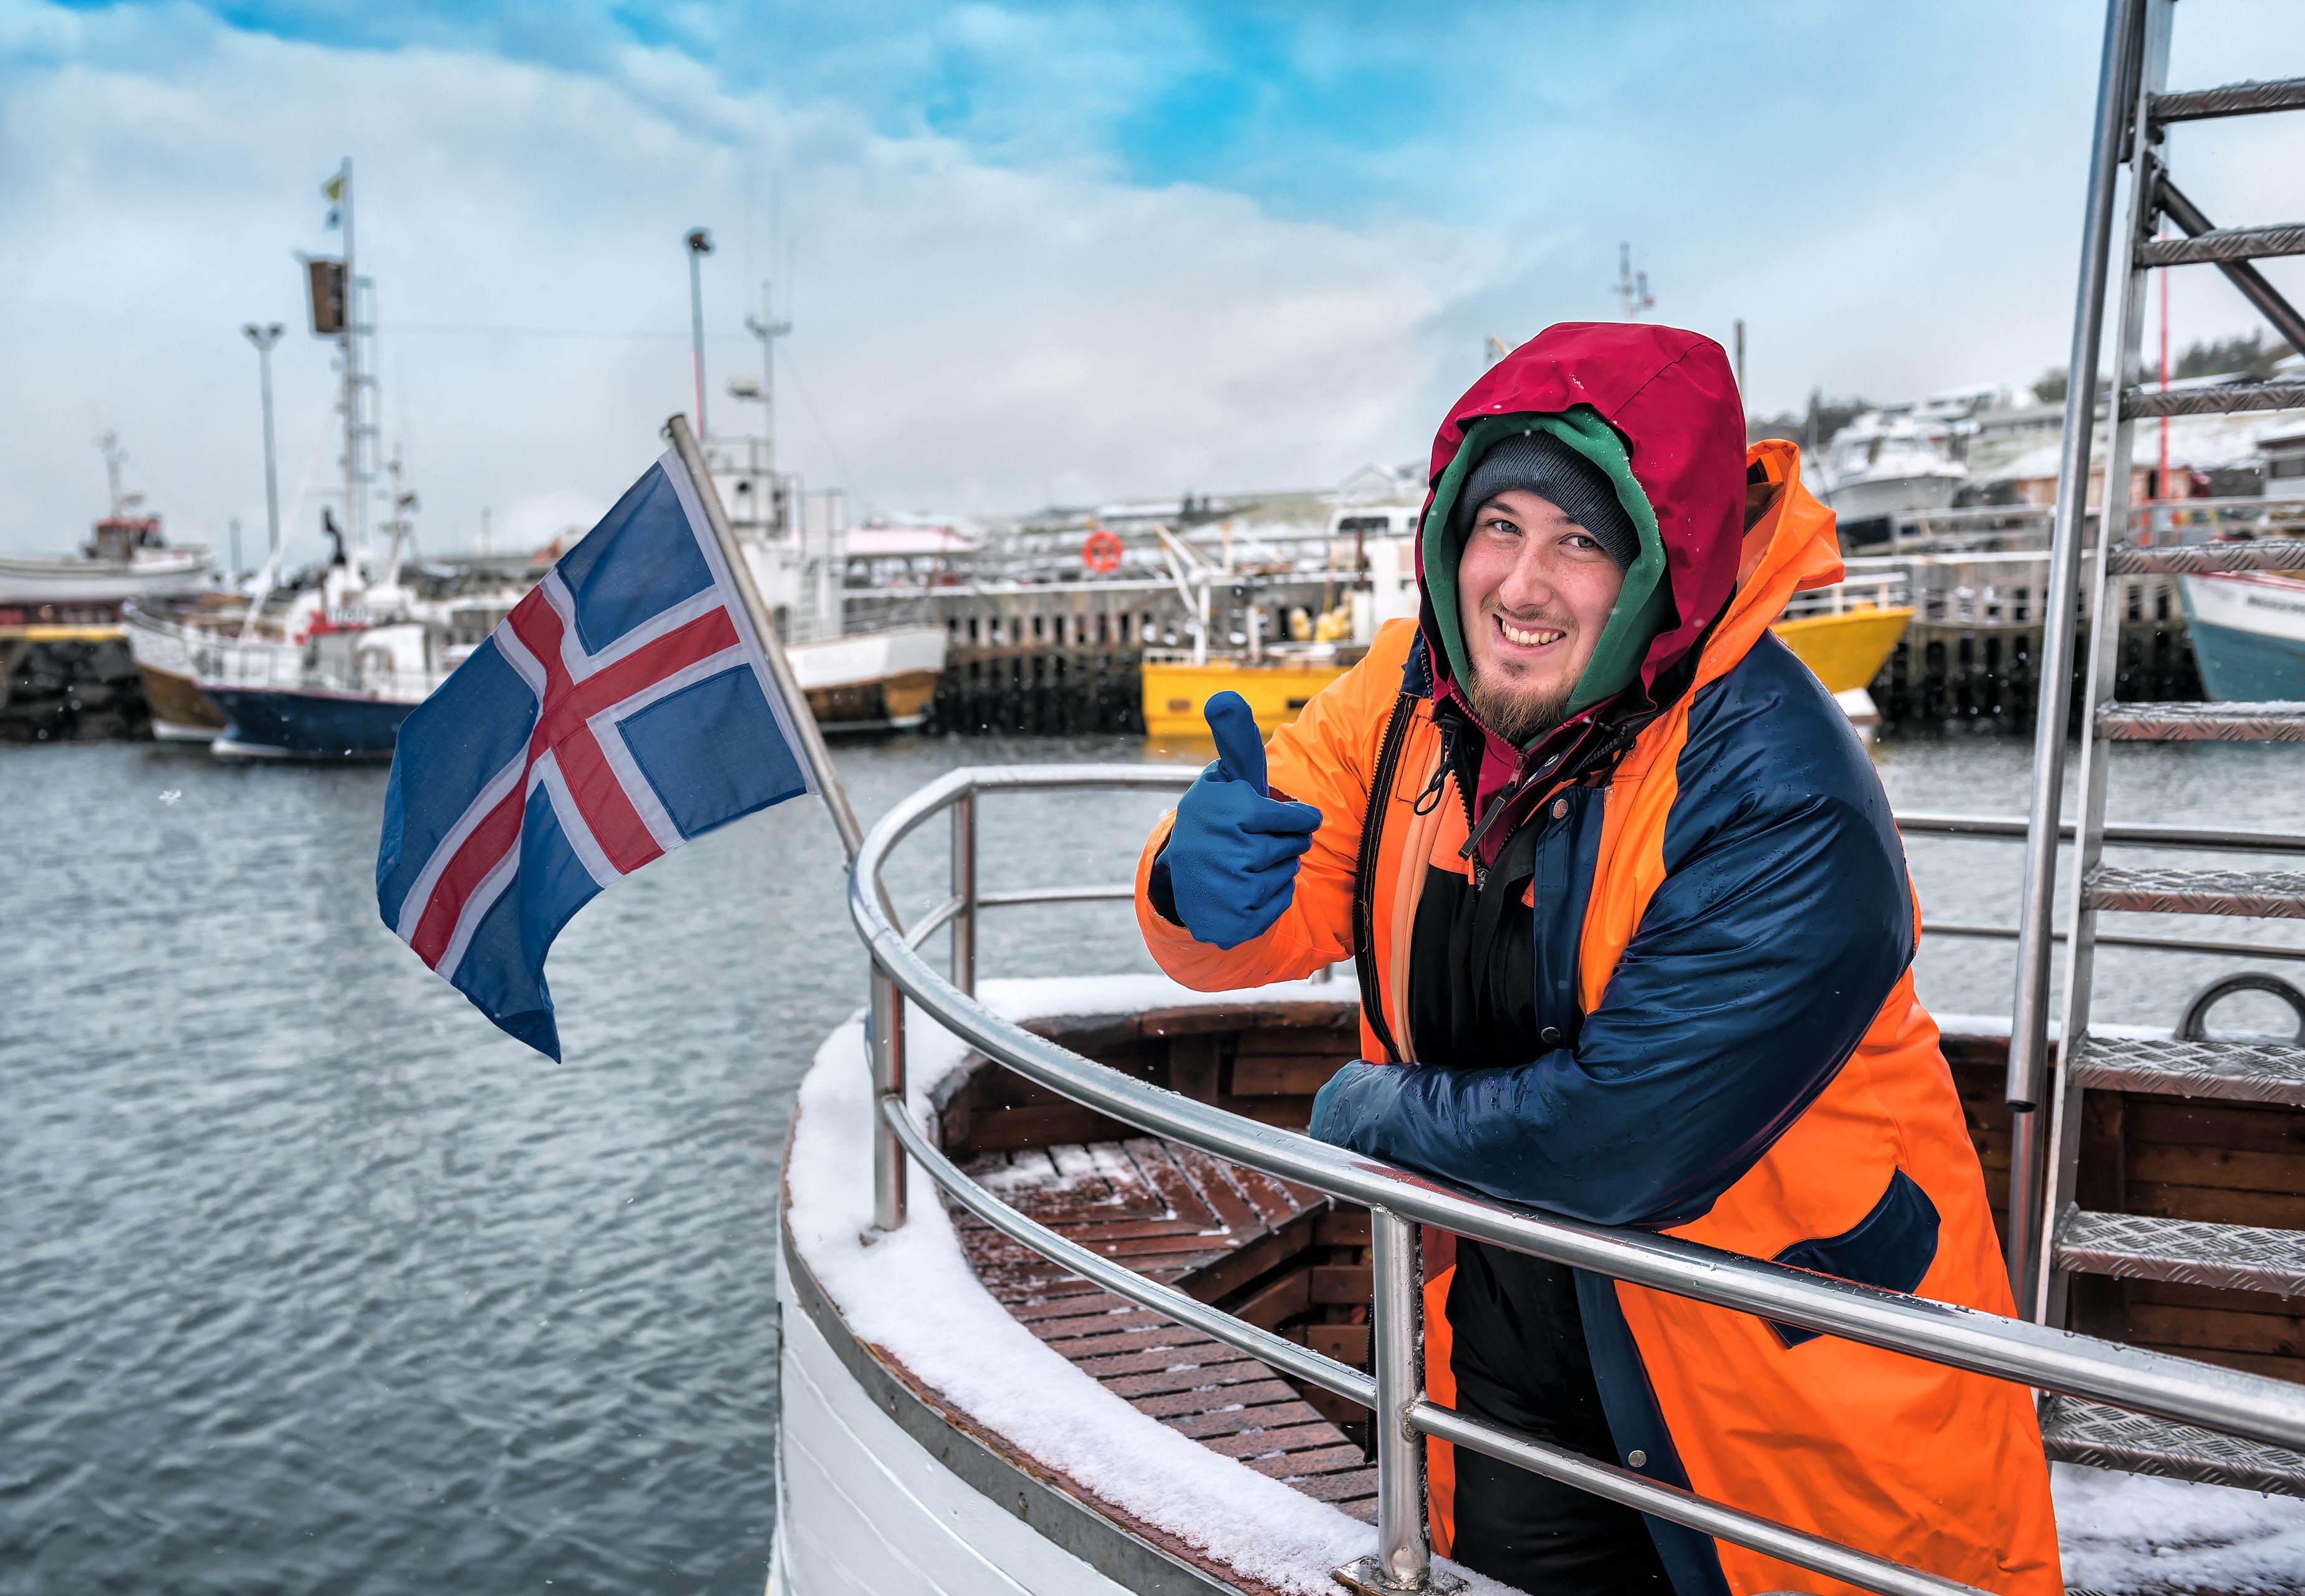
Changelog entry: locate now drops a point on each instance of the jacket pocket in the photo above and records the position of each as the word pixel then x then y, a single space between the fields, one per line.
pixel 1891 1248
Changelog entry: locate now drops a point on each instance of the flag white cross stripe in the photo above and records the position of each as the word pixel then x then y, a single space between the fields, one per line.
pixel 613 818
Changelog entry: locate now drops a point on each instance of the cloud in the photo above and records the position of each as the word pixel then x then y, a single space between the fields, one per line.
pixel 1061 251
pixel 969 333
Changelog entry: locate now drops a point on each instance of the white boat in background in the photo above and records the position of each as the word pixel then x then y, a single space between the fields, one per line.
pixel 162 638
pixel 871 681
pixel 2248 631
pixel 126 559
pixel 874 678
pixel 1885 462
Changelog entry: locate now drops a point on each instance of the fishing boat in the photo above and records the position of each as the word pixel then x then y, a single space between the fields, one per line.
pixel 162 638
pixel 336 674
pixel 875 681
pixel 869 661
pixel 125 557
pixel 1844 633
pixel 2248 631
pixel 1886 463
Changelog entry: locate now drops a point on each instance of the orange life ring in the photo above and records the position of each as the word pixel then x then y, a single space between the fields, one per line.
pixel 1101 551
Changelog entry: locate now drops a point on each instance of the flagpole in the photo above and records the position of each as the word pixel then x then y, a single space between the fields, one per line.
pixel 805 727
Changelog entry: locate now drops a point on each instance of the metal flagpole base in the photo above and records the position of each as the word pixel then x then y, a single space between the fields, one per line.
pixel 1366 1575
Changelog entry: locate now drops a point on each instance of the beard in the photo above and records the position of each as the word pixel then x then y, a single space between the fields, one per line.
pixel 1520 718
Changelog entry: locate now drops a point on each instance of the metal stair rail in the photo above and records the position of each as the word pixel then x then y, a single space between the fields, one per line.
pixel 2109 1404
pixel 2051 1237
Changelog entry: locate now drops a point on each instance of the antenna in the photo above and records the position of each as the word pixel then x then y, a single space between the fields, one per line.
pixel 114 457
pixel 1495 349
pixel 1632 286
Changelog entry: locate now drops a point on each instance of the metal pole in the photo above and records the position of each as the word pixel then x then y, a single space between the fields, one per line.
pixel 964 893
pixel 348 343
pixel 803 723
pixel 1404 1560
pixel 2040 1295
pixel 2029 1017
pixel 699 245
pixel 885 1035
pixel 264 339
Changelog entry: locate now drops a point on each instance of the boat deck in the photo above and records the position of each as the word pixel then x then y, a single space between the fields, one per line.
pixel 1207 1227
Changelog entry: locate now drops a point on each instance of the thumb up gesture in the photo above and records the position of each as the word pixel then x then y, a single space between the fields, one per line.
pixel 1232 854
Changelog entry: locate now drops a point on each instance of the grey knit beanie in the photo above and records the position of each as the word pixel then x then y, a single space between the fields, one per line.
pixel 1540 463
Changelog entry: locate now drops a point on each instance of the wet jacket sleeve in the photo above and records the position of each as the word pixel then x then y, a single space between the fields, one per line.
pixel 1756 970
pixel 1322 758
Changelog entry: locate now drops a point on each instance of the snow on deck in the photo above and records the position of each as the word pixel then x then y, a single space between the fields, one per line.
pixel 915 1294
pixel 2126 1533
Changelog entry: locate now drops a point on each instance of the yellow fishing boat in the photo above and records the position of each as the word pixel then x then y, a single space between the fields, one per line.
pixel 1845 634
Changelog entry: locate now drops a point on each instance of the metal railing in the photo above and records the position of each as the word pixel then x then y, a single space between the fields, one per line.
pixel 1857 591
pixel 1399 1200
pixel 350 670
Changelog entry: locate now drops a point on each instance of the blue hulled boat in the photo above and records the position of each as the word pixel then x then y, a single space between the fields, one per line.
pixel 2248 633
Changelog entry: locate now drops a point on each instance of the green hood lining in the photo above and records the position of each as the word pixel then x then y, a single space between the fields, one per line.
pixel 1644 606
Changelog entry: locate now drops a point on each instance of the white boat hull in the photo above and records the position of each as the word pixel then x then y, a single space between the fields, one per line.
pixel 1867 498
pixel 2248 631
pixel 861 1506
pixel 162 648
pixel 867 657
pixel 872 681
pixel 102 581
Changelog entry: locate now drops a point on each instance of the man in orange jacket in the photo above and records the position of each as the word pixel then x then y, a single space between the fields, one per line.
pixel 1634 936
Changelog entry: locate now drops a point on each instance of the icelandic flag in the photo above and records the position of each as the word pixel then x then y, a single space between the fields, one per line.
pixel 623 707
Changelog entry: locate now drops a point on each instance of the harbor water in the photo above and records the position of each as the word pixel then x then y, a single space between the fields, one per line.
pixel 310 1280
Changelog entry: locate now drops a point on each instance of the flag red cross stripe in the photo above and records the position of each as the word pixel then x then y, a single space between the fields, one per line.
pixel 571 711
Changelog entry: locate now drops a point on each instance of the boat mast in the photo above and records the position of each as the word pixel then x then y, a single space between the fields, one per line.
pixel 768 330
pixel 359 403
pixel 114 457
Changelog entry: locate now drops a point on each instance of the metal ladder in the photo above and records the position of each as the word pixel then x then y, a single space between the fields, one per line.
pixel 2052 1239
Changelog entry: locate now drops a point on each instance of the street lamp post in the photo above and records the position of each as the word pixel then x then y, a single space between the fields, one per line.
pixel 699 245
pixel 264 339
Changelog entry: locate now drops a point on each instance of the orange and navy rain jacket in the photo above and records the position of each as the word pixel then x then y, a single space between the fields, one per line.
pixel 1730 1047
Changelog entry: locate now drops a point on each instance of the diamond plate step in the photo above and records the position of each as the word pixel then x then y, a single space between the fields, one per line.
pixel 2188 1251
pixel 2225 243
pixel 2227 99
pixel 2196 559
pixel 2246 894
pixel 2223 399
pixel 2106 1437
pixel 2273 721
pixel 2235 1071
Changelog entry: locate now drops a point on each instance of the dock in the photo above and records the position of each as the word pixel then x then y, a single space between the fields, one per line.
pixel 63 680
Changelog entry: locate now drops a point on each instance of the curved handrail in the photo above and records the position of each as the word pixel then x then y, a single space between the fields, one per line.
pixel 2125 1377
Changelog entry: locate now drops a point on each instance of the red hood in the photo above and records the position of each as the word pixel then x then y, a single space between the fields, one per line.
pixel 1671 395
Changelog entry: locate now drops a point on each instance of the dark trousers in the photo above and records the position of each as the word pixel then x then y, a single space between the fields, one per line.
pixel 1518 1350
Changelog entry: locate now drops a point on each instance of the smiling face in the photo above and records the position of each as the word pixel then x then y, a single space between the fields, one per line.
pixel 1533 592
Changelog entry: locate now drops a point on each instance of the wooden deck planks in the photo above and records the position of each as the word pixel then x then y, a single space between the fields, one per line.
pixel 1171 1213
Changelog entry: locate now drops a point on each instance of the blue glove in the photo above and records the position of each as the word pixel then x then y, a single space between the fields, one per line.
pixel 1231 858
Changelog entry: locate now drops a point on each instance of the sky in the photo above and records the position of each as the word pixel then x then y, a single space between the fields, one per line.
pixel 1033 253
